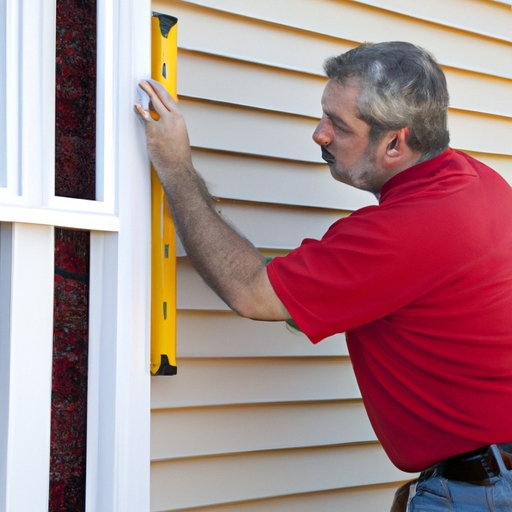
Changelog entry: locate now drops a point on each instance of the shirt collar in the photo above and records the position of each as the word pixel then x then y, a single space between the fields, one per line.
pixel 415 173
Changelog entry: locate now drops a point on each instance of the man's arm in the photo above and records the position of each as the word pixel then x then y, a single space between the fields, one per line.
pixel 227 261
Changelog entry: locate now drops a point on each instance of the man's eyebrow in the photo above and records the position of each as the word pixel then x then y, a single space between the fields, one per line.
pixel 337 119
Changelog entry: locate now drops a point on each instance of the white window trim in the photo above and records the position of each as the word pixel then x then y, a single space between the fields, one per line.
pixel 27 133
pixel 26 319
pixel 119 380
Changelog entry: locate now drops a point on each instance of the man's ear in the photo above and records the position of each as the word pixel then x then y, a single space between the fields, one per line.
pixel 395 148
pixel 397 142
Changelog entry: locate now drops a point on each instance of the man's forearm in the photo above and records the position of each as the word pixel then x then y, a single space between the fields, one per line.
pixel 227 261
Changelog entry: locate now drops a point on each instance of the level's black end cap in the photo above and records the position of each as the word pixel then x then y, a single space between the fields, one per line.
pixel 166 22
pixel 165 367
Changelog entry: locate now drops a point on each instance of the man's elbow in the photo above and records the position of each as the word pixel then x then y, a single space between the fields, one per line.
pixel 257 307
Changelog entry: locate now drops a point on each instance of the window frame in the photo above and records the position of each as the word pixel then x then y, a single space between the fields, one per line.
pixel 119 222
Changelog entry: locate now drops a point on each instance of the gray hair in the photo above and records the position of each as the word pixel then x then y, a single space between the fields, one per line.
pixel 401 85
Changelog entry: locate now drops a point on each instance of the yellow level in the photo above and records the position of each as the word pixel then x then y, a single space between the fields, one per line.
pixel 164 56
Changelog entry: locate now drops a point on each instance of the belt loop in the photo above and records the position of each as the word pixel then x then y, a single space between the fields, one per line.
pixel 499 459
pixel 412 493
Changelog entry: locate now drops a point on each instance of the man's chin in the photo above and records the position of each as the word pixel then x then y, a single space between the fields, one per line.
pixel 335 173
pixel 343 178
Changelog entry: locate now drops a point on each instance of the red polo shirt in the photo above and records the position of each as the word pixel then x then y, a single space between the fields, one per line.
pixel 422 285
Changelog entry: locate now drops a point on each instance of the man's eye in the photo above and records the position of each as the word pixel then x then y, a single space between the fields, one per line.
pixel 339 128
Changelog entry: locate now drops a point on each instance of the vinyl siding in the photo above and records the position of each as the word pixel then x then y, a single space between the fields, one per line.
pixel 258 418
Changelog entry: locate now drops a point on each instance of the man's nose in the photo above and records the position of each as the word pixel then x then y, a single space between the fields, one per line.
pixel 322 134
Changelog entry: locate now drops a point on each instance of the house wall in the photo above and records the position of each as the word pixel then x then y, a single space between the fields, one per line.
pixel 258 418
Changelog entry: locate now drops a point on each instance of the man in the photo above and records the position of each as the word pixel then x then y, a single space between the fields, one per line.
pixel 421 283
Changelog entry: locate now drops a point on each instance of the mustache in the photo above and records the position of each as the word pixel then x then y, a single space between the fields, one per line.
pixel 327 156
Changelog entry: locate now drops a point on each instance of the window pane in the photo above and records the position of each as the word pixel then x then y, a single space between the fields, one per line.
pixel 70 370
pixel 75 100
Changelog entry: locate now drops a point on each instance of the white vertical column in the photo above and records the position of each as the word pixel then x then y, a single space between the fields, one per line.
pixel 9 100
pixel 119 380
pixel 27 100
pixel 36 109
pixel 26 341
pixel 102 447
pixel 118 409
pixel 133 186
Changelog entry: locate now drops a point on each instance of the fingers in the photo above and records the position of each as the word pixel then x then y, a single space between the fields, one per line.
pixel 162 93
pixel 159 97
pixel 141 113
pixel 155 101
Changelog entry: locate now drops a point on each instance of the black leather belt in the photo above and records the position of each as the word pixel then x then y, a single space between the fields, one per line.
pixel 476 467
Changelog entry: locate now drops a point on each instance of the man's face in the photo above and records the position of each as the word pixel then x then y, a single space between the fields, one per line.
pixel 344 139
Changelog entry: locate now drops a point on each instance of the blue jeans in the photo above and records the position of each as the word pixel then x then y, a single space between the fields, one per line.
pixel 437 494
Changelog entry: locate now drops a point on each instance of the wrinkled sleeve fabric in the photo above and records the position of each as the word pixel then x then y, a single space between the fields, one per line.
pixel 346 279
pixel 367 266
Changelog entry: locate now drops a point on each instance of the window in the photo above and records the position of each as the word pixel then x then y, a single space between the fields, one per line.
pixel 117 218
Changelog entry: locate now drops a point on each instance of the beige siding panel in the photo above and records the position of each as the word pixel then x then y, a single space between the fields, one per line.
pixel 484 134
pixel 215 480
pixel 244 381
pixel 192 290
pixel 479 93
pixel 256 179
pixel 376 498
pixel 278 227
pixel 482 18
pixel 478 16
pixel 211 31
pixel 357 22
pixel 227 128
pixel 214 334
pixel 193 432
pixel 253 85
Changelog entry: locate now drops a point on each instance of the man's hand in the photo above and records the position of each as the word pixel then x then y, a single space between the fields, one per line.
pixel 166 132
